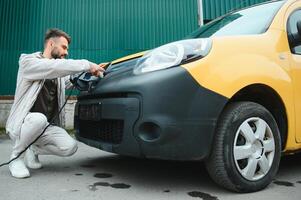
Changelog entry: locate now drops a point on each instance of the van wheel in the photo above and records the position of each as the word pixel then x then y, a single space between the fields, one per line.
pixel 246 150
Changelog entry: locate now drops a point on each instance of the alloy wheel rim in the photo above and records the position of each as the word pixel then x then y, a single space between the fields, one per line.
pixel 254 148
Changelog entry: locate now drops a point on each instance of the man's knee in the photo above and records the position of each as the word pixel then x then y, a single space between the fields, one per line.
pixel 37 120
pixel 68 149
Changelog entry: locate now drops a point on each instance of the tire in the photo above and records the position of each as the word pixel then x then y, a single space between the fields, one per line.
pixel 246 149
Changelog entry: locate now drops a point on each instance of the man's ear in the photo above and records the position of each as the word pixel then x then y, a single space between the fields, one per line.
pixel 51 42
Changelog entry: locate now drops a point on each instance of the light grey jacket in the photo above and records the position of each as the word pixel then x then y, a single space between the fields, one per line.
pixel 33 70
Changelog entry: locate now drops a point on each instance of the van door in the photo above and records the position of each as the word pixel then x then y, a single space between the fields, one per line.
pixel 296 65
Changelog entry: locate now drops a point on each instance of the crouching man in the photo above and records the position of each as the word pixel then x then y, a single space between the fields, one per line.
pixel 40 93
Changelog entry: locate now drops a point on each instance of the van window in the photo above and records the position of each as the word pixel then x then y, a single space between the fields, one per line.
pixel 252 20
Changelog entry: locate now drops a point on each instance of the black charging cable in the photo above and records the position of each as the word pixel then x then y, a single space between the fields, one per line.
pixel 50 123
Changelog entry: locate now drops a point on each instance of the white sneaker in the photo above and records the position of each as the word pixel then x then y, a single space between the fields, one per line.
pixel 18 169
pixel 32 160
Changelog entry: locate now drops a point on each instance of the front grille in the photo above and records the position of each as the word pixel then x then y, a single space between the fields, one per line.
pixel 104 130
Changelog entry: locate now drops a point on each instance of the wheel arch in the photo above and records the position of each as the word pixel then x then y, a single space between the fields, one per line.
pixel 268 98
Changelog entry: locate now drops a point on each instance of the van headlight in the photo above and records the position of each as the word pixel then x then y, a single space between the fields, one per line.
pixel 173 54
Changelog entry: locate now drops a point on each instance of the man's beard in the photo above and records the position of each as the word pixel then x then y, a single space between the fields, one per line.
pixel 56 54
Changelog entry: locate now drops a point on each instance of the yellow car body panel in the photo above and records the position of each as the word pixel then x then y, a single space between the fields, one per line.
pixel 236 62
pixel 129 57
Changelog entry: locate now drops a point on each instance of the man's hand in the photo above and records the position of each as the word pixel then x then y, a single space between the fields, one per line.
pixel 96 70
pixel 104 65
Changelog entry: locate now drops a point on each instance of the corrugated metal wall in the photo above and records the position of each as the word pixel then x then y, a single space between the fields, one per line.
pixel 101 30
pixel 215 8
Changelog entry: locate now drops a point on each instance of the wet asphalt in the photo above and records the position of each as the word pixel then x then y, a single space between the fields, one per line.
pixel 94 174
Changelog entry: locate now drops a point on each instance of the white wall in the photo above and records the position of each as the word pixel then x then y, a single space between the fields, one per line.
pixel 5 106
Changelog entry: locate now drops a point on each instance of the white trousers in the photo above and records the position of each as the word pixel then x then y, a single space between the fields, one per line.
pixel 54 141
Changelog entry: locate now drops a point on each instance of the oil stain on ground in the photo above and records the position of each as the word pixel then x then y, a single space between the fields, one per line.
pixel 284 183
pixel 120 186
pixel 106 184
pixel 88 166
pixel 103 175
pixel 202 195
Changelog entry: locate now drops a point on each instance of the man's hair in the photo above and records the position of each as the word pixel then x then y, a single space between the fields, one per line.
pixel 55 33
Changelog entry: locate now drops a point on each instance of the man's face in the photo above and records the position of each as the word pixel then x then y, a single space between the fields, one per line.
pixel 59 48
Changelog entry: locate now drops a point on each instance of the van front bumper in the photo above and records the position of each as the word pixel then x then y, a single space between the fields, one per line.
pixel 164 114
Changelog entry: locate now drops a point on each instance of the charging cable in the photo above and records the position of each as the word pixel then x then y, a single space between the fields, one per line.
pixel 50 123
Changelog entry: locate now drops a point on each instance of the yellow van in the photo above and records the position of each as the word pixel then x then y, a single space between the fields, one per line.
pixel 228 94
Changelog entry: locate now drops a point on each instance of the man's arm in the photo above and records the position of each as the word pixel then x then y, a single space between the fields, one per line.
pixel 42 68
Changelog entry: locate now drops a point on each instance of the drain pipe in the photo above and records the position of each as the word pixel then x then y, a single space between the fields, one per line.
pixel 200 13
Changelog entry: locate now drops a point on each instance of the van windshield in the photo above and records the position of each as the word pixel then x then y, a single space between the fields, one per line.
pixel 253 20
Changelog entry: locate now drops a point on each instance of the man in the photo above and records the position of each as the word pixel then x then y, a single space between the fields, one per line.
pixel 39 95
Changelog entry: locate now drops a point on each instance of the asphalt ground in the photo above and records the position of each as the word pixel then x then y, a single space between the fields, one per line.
pixel 94 174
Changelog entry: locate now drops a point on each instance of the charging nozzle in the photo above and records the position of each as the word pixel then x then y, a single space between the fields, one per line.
pixel 106 68
pixel 84 81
